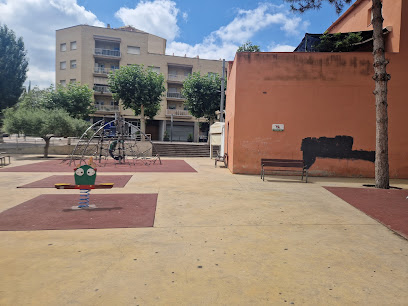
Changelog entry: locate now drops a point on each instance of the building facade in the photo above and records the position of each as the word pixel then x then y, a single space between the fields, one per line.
pixel 323 103
pixel 87 54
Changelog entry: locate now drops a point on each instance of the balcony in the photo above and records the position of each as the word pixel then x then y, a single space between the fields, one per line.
pixel 101 89
pixel 175 95
pixel 101 70
pixel 107 53
pixel 178 113
pixel 176 78
pixel 106 108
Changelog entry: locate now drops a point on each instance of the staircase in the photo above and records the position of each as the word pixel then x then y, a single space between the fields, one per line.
pixel 174 149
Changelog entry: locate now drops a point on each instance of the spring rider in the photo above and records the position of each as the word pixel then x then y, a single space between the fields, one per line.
pixel 85 177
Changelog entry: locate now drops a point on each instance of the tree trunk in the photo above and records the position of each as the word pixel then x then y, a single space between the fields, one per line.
pixel 47 145
pixel 381 78
pixel 142 123
pixel 1 136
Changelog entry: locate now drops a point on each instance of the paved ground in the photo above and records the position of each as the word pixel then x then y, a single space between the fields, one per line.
pixel 218 239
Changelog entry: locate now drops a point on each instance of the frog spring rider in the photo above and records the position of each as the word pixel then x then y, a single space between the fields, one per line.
pixel 85 177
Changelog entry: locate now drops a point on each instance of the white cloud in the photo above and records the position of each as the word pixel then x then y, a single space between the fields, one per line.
pixel 158 17
pixel 280 48
pixel 224 42
pixel 36 21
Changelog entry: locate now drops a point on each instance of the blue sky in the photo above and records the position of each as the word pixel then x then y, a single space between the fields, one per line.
pixel 211 29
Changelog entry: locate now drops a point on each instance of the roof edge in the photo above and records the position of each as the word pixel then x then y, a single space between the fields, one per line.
pixel 350 9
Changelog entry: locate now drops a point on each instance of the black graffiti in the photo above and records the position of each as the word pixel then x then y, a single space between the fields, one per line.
pixel 339 147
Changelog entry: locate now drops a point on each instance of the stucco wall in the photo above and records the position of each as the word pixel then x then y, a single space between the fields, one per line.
pixel 313 95
pixel 358 18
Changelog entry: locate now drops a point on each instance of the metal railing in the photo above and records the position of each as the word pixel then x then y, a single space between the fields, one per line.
pixel 178 112
pixel 107 108
pixel 101 89
pixel 107 52
pixel 176 77
pixel 175 95
pixel 104 70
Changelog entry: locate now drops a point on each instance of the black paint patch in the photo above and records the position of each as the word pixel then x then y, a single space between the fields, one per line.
pixel 339 147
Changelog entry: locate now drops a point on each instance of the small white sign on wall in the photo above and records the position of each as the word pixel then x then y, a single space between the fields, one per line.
pixel 278 127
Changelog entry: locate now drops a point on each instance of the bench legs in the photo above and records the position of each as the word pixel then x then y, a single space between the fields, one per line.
pixel 304 171
pixel 3 160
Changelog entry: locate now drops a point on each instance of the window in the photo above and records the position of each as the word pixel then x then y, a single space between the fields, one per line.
pixel 212 75
pixel 73 64
pixel 133 50
pixel 63 47
pixel 155 69
pixel 186 73
pixel 369 17
pixel 72 80
pixel 173 90
pixel 63 65
pixel 63 82
pixel 73 45
pixel 172 71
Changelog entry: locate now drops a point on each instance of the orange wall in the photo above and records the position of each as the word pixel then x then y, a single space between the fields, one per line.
pixel 230 115
pixel 314 95
pixel 357 18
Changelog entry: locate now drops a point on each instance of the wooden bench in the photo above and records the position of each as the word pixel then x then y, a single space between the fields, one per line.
pixel 267 164
pixel 3 158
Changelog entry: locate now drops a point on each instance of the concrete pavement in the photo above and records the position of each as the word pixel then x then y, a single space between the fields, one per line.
pixel 218 239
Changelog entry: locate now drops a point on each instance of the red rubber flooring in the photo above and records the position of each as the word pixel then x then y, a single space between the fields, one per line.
pixel 119 181
pixel 53 212
pixel 55 165
pixel 387 206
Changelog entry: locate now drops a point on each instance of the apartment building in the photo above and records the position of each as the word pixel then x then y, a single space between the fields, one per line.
pixel 87 54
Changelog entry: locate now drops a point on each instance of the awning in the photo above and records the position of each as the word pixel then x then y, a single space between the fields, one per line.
pixel 310 40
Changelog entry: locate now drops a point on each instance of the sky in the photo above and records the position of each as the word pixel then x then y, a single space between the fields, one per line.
pixel 210 29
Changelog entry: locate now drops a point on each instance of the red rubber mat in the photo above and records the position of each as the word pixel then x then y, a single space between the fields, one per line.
pixel 387 206
pixel 119 181
pixel 57 165
pixel 54 212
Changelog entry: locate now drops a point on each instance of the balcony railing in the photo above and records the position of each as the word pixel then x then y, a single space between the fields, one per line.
pixel 107 108
pixel 175 95
pixel 176 77
pixel 101 89
pixel 104 70
pixel 178 112
pixel 107 52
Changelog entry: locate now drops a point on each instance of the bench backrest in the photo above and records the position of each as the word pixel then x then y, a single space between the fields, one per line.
pixel 296 163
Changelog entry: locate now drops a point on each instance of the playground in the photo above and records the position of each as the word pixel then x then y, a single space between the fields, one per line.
pixel 194 235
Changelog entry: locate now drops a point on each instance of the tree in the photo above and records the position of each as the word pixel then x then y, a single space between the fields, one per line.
pixel 381 77
pixel 44 123
pixel 249 47
pixel 202 94
pixel 338 42
pixel 139 89
pixel 74 98
pixel 35 98
pixel 13 67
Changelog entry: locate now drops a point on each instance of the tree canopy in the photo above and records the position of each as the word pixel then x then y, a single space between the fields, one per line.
pixel 305 5
pixel 74 98
pixel 137 87
pixel 34 98
pixel 44 123
pixel 249 47
pixel 203 95
pixel 13 67
pixel 338 42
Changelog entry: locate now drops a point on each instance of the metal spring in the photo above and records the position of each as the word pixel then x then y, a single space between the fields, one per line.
pixel 84 198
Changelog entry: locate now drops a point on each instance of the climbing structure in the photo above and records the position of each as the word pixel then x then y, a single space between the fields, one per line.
pixel 116 141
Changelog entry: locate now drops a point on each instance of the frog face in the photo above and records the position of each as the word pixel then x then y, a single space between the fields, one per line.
pixel 85 175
